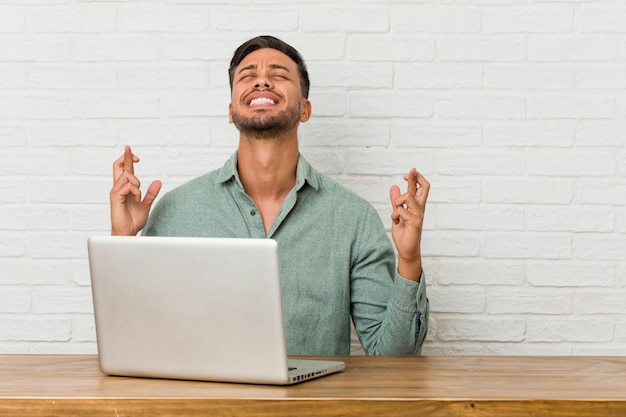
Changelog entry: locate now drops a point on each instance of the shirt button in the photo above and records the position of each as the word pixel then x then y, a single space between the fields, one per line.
pixel 252 213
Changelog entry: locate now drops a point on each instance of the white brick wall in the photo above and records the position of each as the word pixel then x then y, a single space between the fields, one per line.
pixel 515 110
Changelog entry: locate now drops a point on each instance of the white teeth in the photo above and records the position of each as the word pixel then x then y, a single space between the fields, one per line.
pixel 261 100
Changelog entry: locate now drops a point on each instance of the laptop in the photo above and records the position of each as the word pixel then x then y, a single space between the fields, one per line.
pixel 206 309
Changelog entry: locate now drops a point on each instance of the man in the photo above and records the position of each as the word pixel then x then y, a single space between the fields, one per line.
pixel 337 261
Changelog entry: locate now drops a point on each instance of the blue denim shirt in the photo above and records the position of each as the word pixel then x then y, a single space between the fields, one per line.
pixel 336 260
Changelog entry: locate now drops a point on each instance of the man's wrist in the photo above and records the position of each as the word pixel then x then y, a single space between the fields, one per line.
pixel 411 270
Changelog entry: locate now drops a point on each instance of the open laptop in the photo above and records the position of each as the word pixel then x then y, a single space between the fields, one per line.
pixel 193 308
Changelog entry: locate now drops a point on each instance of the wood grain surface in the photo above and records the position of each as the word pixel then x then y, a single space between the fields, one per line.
pixel 66 385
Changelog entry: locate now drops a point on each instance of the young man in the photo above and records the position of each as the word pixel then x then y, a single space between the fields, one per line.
pixel 337 261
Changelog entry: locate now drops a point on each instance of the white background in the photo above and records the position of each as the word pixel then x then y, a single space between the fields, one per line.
pixel 513 109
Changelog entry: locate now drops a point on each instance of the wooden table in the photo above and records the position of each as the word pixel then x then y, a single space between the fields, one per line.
pixel 70 385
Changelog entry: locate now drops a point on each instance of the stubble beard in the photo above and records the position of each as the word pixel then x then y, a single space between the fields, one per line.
pixel 264 126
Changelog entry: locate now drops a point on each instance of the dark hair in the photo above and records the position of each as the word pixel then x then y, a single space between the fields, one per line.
pixel 261 42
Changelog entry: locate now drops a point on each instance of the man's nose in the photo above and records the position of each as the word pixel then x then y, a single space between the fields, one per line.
pixel 262 82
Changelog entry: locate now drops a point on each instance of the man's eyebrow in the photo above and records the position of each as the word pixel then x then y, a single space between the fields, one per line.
pixel 271 66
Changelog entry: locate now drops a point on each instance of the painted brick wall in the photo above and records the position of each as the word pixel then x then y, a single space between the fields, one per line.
pixel 515 110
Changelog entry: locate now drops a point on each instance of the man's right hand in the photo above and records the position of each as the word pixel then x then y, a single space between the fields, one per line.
pixel 129 213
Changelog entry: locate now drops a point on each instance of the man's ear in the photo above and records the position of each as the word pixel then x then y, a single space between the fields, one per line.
pixel 230 113
pixel 305 111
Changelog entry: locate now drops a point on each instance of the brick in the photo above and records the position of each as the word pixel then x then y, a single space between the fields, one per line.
pixel 453 190
pixel 115 47
pixel 347 75
pixel 35 48
pixel 374 189
pixel 571 49
pixel 436 19
pixel 597 246
pixel 194 162
pixel 83 328
pixel 529 301
pixel 457 300
pixel 34 218
pixel 66 300
pixel 603 20
pixel 481 107
pixel 116 106
pixel 570 218
pixel 525 77
pixel 528 20
pixel 73 133
pixel 478 329
pixel 327 103
pixel 79 271
pixel 571 107
pixel 94 218
pixel 589 302
pixel 75 18
pixel 328 161
pixel 331 132
pixel 459 272
pixel 334 46
pixel 526 246
pixel 12 75
pixel 139 18
pixel 69 190
pixel 11 20
pixel 32 273
pixel 372 48
pixel 375 104
pixel 30 106
pixel 20 161
pixel 412 134
pixel 13 190
pixel 71 76
pixel 164 76
pixel 57 245
pixel 188 103
pixel 570 274
pixel 31 328
pixel 478 162
pixel 15 300
pixel 482 49
pixel 571 163
pixel 450 244
pixel 439 76
pixel 601 134
pixel 185 133
pixel 546 191
pixel 456 217
pixel 362 18
pixel 191 47
pixel 12 136
pixel 388 161
pixel 598 192
pixel 609 77
pixel 529 134
pixel 620 219
pixel 12 245
pixel 568 329
pixel 255 19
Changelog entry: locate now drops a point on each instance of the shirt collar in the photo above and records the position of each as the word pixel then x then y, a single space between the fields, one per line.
pixel 305 173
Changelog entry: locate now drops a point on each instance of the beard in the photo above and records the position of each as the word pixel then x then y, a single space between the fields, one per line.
pixel 265 126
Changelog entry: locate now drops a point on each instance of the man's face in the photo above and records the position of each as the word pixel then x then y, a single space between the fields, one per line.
pixel 266 98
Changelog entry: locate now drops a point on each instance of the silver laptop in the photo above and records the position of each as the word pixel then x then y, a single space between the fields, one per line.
pixel 193 308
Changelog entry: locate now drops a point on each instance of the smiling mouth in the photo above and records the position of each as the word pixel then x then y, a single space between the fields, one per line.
pixel 261 101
